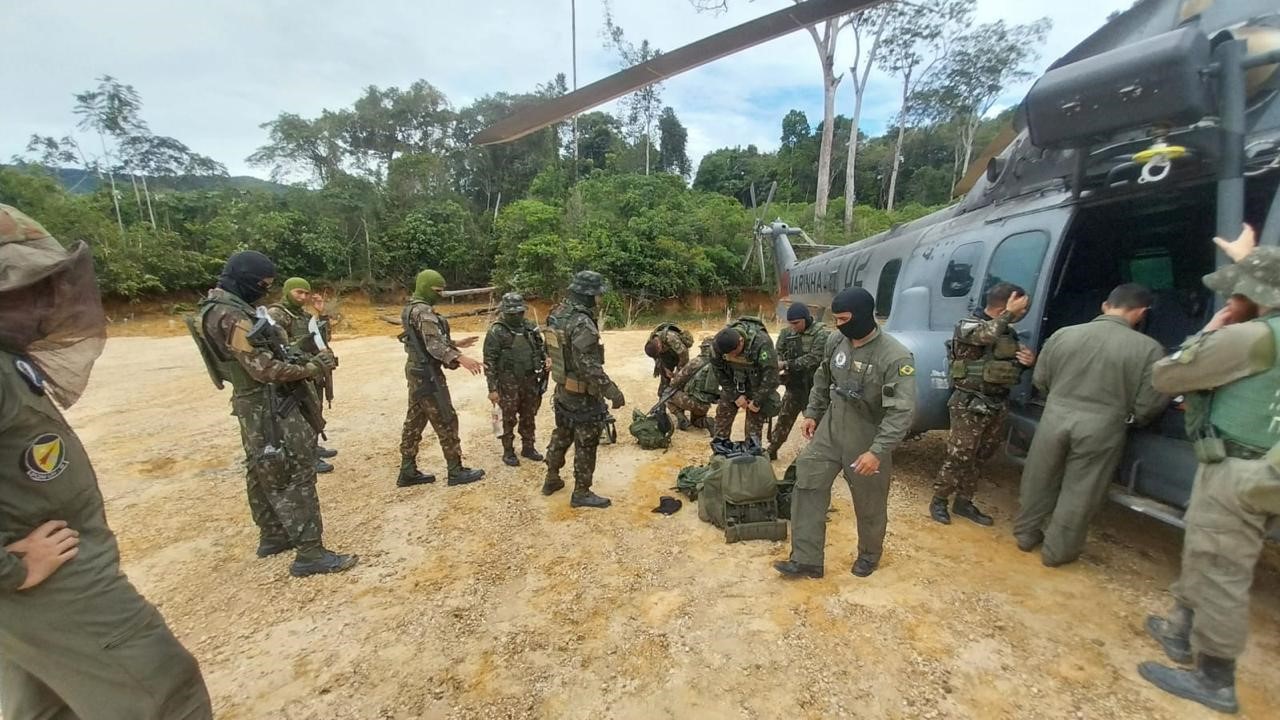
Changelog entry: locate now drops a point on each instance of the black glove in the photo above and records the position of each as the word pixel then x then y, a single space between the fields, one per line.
pixel 617 398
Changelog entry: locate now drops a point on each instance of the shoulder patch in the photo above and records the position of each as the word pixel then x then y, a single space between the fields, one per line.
pixel 45 457
pixel 906 370
pixel 29 373
pixel 239 340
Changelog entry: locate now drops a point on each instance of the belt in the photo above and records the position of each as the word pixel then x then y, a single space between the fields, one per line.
pixel 1242 452
pixel 577 387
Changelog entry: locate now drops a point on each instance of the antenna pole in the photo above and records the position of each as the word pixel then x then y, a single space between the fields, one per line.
pixel 573 31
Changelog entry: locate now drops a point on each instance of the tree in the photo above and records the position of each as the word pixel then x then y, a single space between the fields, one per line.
pixel 384 123
pixel 599 139
pixel 973 76
pixel 295 143
pixel 916 39
pixel 867 28
pixel 643 105
pixel 110 110
pixel 672 141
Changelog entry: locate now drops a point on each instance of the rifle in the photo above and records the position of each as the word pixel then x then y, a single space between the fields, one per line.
pixel 318 331
pixel 418 350
pixel 284 397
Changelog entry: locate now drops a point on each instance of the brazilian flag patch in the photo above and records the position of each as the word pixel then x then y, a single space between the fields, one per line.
pixel 906 371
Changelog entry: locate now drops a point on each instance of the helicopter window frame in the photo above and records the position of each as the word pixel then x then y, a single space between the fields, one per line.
pixel 968 254
pixel 1026 275
pixel 890 272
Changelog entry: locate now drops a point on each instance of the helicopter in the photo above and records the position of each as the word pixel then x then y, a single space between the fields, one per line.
pixel 1157 132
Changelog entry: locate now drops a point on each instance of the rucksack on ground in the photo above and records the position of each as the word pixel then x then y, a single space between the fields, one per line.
pixel 690 480
pixel 651 431
pixel 740 494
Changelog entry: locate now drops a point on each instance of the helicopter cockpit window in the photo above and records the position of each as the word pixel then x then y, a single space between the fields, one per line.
pixel 958 280
pixel 884 290
pixel 1018 260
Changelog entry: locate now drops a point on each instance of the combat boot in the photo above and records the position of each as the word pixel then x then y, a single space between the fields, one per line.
pixel 863 567
pixel 773 452
pixel 328 562
pixel 529 452
pixel 410 475
pixel 268 547
pixel 682 422
pixel 793 569
pixel 323 467
pixel 552 484
pixel 938 510
pixel 1173 633
pixel 1027 543
pixel 965 508
pixel 509 453
pixel 325 453
pixel 1212 683
pixel 589 499
pixel 462 475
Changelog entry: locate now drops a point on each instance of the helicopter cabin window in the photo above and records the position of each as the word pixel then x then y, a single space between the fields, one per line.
pixel 1153 268
pixel 1018 260
pixel 885 288
pixel 958 280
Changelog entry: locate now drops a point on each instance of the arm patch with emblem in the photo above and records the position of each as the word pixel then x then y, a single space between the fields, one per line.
pixel 906 371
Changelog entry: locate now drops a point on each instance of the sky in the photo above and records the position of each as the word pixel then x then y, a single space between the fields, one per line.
pixel 211 72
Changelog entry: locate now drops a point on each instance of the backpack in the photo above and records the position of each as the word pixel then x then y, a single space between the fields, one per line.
pixel 689 482
pixel 685 335
pixel 652 432
pixel 740 494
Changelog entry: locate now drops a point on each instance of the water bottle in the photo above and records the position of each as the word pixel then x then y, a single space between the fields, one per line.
pixel 495 417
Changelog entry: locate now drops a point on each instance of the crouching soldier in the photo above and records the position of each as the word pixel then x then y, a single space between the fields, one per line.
pixel 515 366
pixel 747 370
pixel 694 388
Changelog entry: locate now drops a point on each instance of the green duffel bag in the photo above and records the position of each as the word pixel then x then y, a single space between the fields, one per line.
pixel 652 432
pixel 748 479
pixel 689 481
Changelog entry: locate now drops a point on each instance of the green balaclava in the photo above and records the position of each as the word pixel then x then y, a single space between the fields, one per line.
pixel 294 283
pixel 425 285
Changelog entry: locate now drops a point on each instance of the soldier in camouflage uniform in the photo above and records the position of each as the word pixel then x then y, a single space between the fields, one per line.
pixel 582 386
pixel 291 315
pixel 747 369
pixel 279 450
pixel 668 345
pixel 76 638
pixel 986 362
pixel 695 387
pixel 515 366
pixel 430 348
pixel 800 346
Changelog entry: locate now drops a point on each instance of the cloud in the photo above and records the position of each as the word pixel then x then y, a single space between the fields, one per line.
pixel 211 73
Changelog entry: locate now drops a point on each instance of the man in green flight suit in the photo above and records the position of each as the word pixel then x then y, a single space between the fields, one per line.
pixel 430 348
pixel 800 345
pixel 747 368
pixel 515 366
pixel 292 316
pixel 76 638
pixel 987 360
pixel 1097 377
pixel 863 399
pixel 582 386
pixel 1231 375
pixel 279 437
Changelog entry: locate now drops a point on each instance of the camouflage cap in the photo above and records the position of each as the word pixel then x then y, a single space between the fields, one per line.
pixel 589 282
pixel 1256 277
pixel 512 303
pixel 28 253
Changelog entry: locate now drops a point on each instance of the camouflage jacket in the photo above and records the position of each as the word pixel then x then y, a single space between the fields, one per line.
pixel 674 354
pixel 579 336
pixel 511 353
pixel 420 318
pixel 979 339
pixel 293 322
pixel 754 373
pixel 802 352
pixel 226 326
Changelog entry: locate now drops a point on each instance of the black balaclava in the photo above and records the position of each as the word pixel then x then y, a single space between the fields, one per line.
pixel 858 301
pixel 800 311
pixel 243 274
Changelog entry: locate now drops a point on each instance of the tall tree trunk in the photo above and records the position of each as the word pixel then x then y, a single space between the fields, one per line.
pixel 829 83
pixel 850 170
pixel 111 176
pixel 897 145
pixel 646 151
pixel 150 210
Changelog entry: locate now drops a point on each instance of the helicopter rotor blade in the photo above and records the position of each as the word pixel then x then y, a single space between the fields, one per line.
pixel 772 189
pixel 725 42
pixel 753 202
pixel 760 258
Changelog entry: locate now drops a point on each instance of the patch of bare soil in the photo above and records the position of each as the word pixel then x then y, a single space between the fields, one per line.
pixel 491 601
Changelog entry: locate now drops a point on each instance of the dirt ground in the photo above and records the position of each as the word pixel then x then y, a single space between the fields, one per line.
pixel 491 601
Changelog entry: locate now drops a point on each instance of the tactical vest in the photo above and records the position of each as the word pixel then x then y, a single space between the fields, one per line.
pixel 704 386
pixel 297 328
pixel 221 369
pixel 412 339
pixel 520 349
pixel 973 366
pixel 1247 411
pixel 560 350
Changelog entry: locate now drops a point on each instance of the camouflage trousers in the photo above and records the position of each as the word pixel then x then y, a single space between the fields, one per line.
pixel 520 401
pixel 280 462
pixel 681 400
pixel 430 403
pixel 975 434
pixel 794 402
pixel 579 423
pixel 727 412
